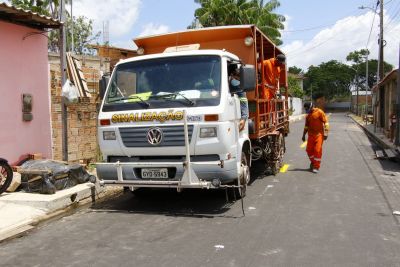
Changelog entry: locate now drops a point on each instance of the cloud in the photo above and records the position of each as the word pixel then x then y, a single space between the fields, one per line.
pixel 121 14
pixel 345 36
pixel 286 25
pixel 153 29
pixel 127 44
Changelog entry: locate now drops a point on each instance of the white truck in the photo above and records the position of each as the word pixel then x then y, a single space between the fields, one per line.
pixel 170 119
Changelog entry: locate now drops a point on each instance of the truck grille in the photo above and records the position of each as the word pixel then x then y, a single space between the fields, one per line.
pixel 137 136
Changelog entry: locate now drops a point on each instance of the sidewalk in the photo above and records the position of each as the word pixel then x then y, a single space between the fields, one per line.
pixel 20 212
pixel 387 173
pixel 376 134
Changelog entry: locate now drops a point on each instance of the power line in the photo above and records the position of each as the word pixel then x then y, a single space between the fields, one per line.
pixel 393 19
pixel 300 52
pixel 319 26
pixel 372 26
pixel 393 16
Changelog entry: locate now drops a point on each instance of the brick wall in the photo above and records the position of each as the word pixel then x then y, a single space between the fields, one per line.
pixel 82 116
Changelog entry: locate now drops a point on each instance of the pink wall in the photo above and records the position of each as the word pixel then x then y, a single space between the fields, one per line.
pixel 23 69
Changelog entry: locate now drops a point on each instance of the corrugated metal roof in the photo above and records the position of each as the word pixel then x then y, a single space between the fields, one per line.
pixel 26 17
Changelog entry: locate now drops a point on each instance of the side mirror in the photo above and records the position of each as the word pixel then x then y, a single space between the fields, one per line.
pixel 247 78
pixel 103 85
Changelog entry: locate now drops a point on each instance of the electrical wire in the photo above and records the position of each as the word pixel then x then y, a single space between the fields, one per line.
pixel 393 16
pixel 319 26
pixel 372 26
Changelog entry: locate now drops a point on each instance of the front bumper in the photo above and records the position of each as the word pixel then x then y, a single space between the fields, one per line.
pixel 181 174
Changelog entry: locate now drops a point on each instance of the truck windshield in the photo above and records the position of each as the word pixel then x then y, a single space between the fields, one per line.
pixel 184 81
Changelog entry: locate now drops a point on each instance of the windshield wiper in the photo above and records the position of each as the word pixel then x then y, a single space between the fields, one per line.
pixel 146 104
pixel 191 102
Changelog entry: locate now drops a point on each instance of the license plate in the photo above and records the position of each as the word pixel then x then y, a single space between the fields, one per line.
pixel 155 173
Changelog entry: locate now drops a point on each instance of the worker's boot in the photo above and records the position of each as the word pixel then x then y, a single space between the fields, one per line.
pixel 311 167
pixel 315 170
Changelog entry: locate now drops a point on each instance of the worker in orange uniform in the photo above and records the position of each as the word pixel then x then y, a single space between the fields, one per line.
pixel 272 72
pixel 317 127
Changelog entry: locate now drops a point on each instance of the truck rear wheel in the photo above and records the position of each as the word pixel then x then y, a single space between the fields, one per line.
pixel 275 158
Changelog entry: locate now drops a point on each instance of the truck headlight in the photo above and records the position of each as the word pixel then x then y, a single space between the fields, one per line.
pixel 109 135
pixel 208 132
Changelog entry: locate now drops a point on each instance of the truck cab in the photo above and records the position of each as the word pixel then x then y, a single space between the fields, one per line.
pixel 171 119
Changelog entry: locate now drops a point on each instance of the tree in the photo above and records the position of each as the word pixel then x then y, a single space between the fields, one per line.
pixel 295 70
pixel 331 79
pixel 238 12
pixel 358 58
pixel 43 7
pixel 294 87
pixel 83 27
pixel 83 35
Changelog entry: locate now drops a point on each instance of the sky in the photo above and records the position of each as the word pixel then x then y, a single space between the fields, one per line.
pixel 316 31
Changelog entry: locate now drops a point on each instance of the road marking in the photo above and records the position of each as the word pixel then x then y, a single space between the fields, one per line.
pixel 265 190
pixel 219 247
pixel 284 168
pixel 303 145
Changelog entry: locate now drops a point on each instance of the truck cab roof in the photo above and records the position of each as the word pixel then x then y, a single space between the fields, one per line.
pixel 216 52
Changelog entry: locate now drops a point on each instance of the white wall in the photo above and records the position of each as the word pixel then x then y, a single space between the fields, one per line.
pixel 296 104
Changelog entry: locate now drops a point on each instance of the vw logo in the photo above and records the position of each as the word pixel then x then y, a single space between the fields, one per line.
pixel 154 136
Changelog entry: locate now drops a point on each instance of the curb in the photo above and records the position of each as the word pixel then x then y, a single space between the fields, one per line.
pixel 297 118
pixel 371 135
pixel 23 227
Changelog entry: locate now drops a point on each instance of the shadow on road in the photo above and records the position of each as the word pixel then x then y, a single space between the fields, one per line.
pixel 299 170
pixel 190 202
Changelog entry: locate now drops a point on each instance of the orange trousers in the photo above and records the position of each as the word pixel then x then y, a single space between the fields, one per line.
pixel 314 149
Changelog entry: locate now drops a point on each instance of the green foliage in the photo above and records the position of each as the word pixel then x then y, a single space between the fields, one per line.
pixel 239 12
pixel 83 35
pixel 83 27
pixel 295 70
pixel 358 58
pixel 43 7
pixel 331 79
pixel 294 87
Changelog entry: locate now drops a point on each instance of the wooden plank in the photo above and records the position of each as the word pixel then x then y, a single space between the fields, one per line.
pixel 83 81
pixel 73 74
pixel 75 78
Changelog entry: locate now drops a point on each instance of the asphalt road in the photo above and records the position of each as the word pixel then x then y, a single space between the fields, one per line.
pixel 339 217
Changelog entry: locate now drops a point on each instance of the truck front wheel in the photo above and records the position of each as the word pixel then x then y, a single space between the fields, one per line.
pixel 244 176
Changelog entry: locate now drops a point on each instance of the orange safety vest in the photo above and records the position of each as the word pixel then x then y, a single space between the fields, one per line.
pixel 315 122
pixel 272 73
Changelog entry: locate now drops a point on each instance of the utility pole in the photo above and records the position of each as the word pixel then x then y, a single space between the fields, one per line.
pixel 64 114
pixel 72 30
pixel 366 89
pixel 356 83
pixel 381 71
pixel 397 130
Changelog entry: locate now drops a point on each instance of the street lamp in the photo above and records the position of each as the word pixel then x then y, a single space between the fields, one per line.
pixel 381 45
pixel 367 7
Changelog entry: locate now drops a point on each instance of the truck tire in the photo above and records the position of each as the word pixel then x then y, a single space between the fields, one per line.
pixel 244 179
pixel 6 175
